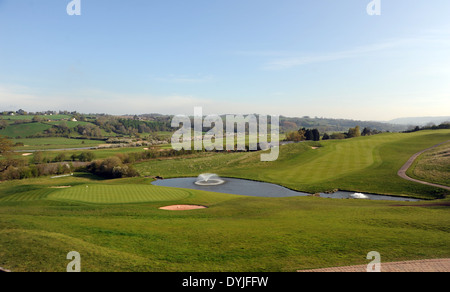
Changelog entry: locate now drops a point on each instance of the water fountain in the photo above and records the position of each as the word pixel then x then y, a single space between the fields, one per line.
pixel 209 179
pixel 359 196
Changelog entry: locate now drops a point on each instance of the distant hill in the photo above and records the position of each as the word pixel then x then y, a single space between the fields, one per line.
pixel 335 125
pixel 21 126
pixel 420 121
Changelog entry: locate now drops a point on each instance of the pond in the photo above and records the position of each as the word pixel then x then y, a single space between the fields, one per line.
pixel 261 189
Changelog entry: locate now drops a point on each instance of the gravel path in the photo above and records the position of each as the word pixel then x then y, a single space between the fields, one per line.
pixel 402 171
pixel 438 265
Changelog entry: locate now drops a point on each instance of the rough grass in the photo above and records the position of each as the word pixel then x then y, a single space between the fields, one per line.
pixel 433 166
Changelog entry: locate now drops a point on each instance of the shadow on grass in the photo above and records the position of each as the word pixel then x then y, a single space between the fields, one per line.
pixel 87 175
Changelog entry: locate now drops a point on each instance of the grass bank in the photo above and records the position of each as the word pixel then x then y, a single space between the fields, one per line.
pixel 433 166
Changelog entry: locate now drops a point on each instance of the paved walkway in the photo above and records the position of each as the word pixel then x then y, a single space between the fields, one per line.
pixel 438 265
pixel 402 171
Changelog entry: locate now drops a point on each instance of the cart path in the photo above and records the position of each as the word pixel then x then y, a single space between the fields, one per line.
pixel 437 265
pixel 402 171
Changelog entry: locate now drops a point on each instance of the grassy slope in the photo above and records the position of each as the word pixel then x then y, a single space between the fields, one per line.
pixel 24 130
pixel 29 129
pixel 234 234
pixel 367 164
pixel 433 166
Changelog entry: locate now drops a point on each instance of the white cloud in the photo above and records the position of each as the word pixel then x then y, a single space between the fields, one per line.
pixel 303 59
pixel 436 41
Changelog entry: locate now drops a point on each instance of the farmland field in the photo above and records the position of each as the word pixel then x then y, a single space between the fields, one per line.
pixel 30 117
pixel 24 130
pixel 54 143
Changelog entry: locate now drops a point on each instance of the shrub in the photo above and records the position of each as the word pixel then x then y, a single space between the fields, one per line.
pixel 39 158
pixel 338 136
pixel 295 136
pixel 86 156
pixel 60 157
pixel 111 168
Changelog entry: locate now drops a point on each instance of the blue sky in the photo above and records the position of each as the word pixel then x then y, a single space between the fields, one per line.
pixel 325 58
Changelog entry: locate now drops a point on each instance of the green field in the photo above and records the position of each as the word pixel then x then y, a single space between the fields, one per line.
pixel 116 225
pixel 54 143
pixel 100 153
pixel 29 128
pixel 30 117
pixel 24 130
pixel 73 143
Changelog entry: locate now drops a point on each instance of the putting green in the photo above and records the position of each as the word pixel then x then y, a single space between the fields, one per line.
pixel 118 194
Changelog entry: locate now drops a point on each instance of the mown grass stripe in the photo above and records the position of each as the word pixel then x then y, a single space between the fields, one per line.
pixel 27 196
pixel 118 194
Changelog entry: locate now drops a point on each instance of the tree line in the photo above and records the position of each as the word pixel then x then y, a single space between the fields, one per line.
pixel 445 125
pixel 132 127
pixel 304 134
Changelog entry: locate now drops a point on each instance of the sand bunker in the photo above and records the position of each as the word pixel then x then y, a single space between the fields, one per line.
pixel 182 207
pixel 27 154
pixel 314 148
pixel 61 187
